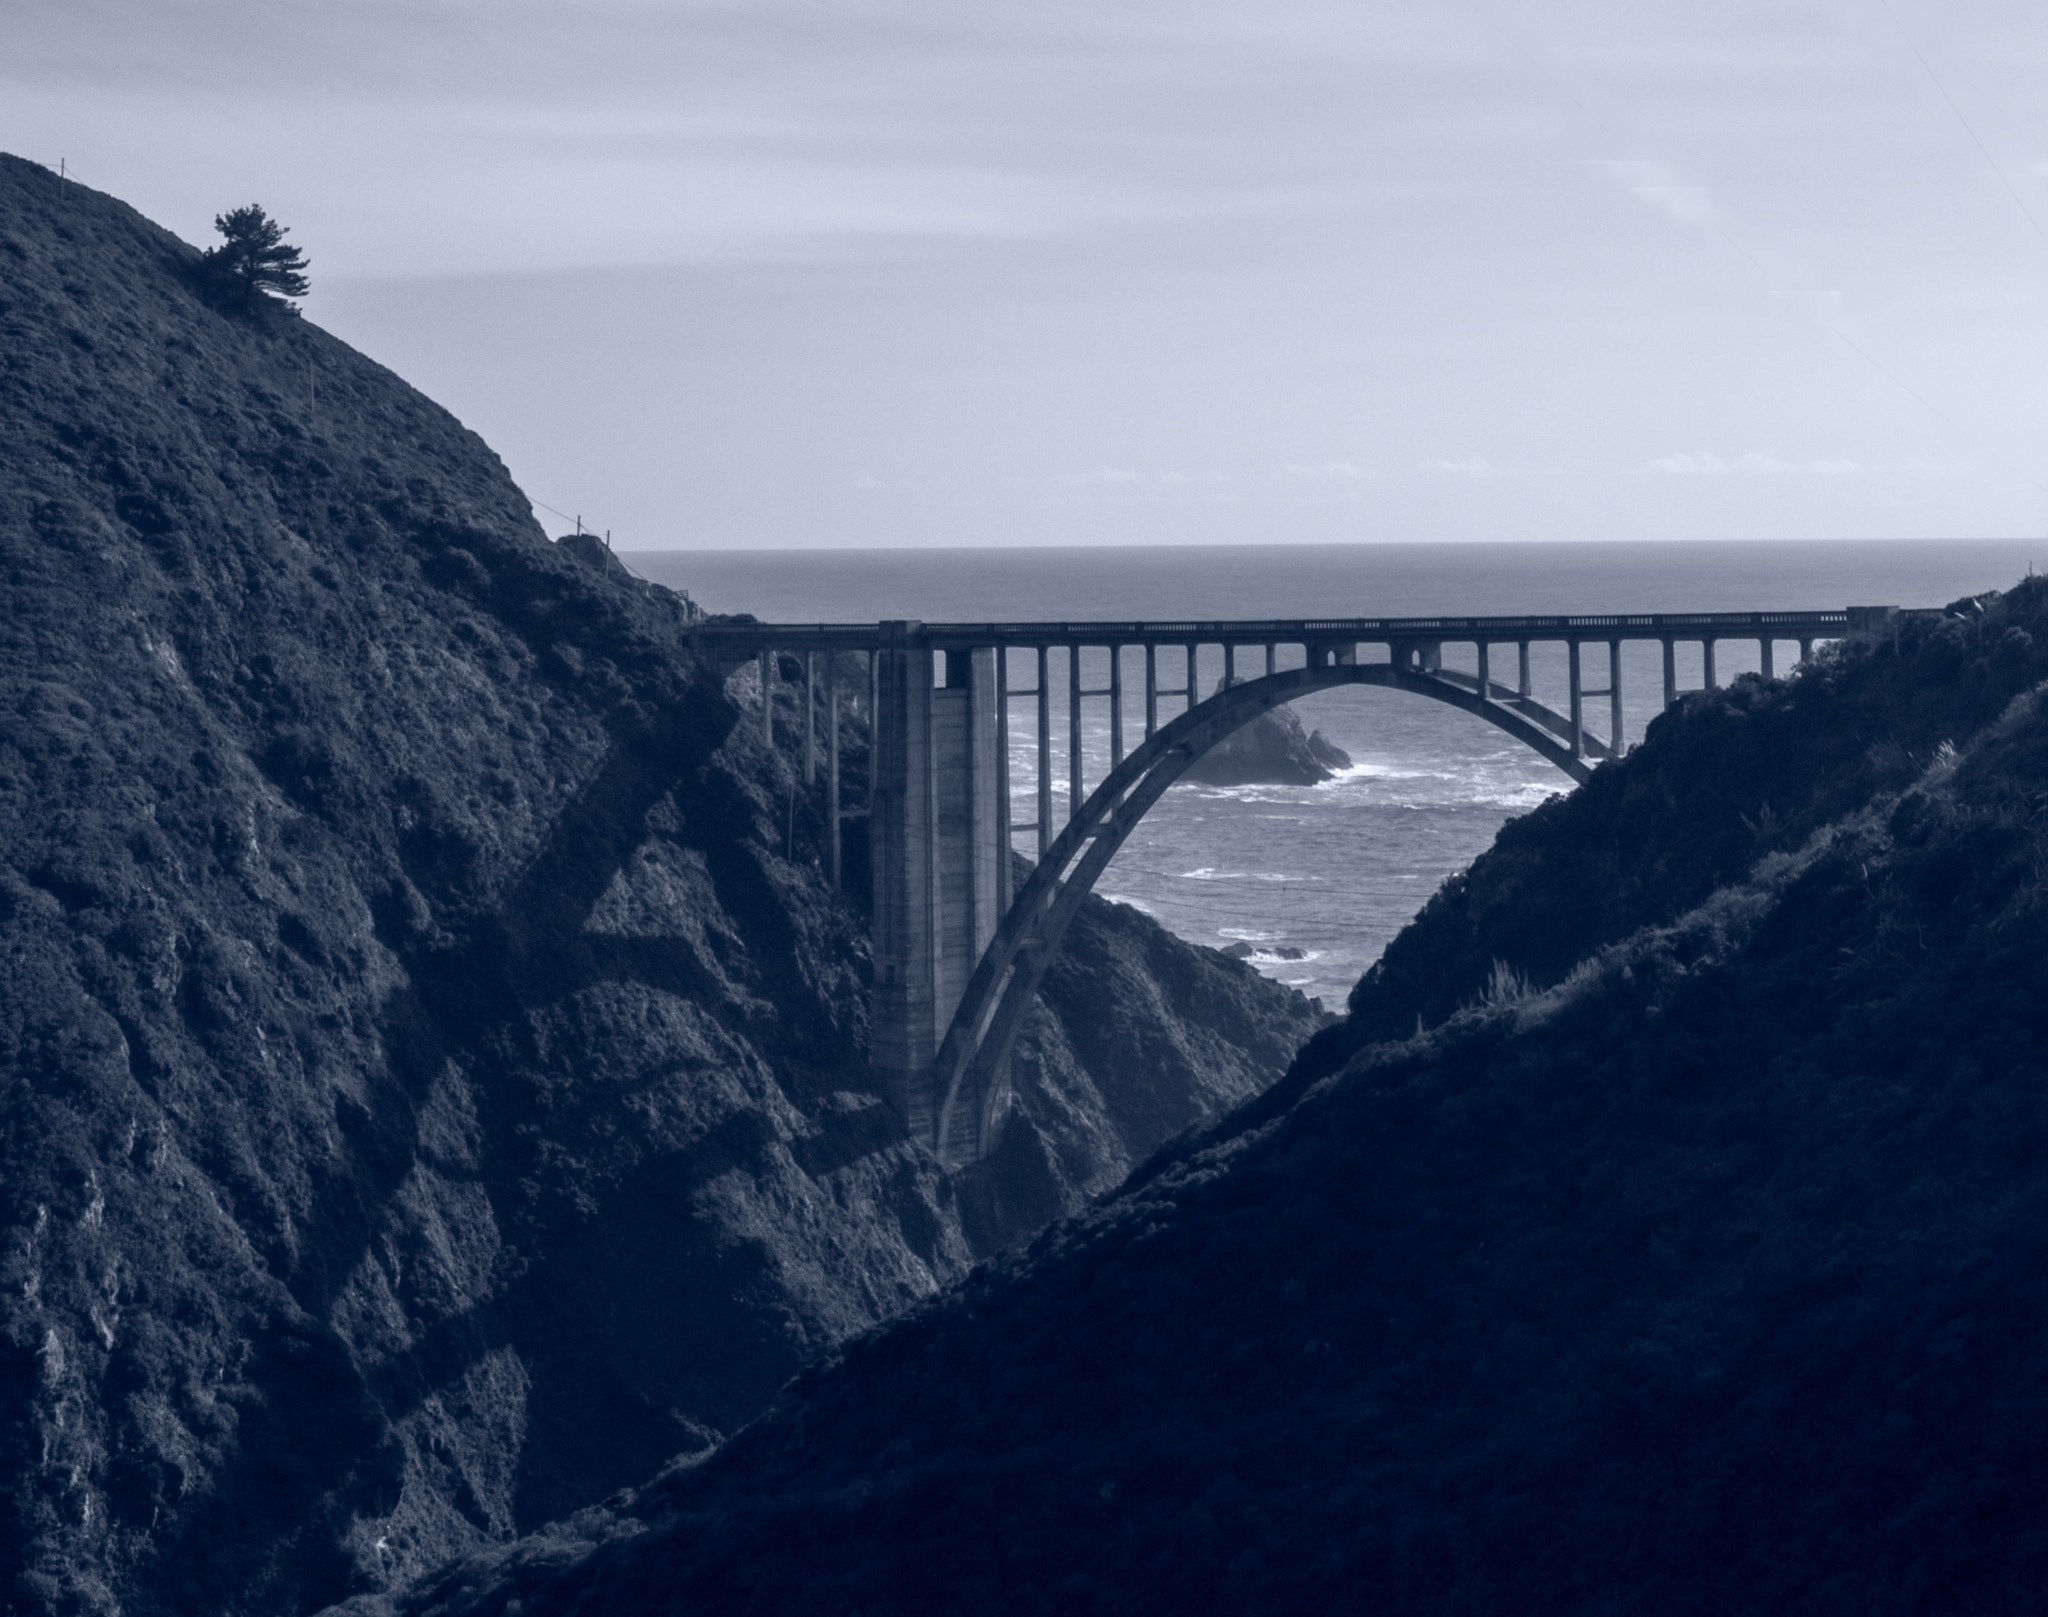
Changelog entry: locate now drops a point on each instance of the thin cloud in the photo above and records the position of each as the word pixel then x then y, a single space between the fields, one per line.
pixel 1102 477
pixel 1474 466
pixel 1701 463
pixel 1657 185
pixel 423 137
pixel 1331 470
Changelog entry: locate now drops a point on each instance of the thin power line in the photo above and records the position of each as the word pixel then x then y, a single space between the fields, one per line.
pixel 1982 149
pixel 566 517
pixel 1940 415
pixel 1898 381
pixel 577 519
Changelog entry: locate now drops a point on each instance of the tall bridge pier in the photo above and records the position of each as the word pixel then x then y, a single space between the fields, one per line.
pixel 940 800
pixel 957 955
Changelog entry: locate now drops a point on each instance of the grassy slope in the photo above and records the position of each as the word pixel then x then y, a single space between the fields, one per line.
pixel 1710 1279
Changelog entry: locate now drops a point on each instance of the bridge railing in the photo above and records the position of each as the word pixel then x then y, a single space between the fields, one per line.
pixel 1240 631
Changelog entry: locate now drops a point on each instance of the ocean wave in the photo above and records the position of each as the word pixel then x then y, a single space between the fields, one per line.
pixel 1507 786
pixel 1211 873
pixel 1289 796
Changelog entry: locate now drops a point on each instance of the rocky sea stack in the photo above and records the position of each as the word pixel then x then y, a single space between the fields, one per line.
pixel 432 1064
pixel 1273 750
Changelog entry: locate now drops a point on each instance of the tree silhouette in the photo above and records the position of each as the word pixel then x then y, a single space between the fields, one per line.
pixel 253 260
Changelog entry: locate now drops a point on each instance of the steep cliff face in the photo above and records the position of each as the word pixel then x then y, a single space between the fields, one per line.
pixel 1710 1278
pixel 431 1063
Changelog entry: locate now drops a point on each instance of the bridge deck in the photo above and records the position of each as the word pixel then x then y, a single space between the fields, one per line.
pixel 796 637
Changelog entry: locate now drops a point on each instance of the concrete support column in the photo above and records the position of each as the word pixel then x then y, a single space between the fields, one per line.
pixel 936 831
pixel 1116 706
pixel 1707 657
pixel 768 697
pixel 1670 671
pixel 1001 658
pixel 1075 796
pixel 1765 647
pixel 1151 689
pixel 1614 736
pixel 1229 665
pixel 1270 649
pixel 903 1036
pixel 1485 674
pixel 1522 685
pixel 810 708
pixel 967 852
pixel 832 762
pixel 1578 705
pixel 1044 754
pixel 1806 651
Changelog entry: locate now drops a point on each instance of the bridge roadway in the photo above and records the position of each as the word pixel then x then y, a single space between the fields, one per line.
pixel 957 955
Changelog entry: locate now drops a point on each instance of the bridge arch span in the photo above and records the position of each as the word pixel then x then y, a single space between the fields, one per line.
pixel 970 1068
pixel 956 963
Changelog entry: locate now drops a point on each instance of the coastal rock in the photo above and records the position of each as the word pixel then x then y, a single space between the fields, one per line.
pixel 432 1065
pixel 1271 951
pixel 1272 750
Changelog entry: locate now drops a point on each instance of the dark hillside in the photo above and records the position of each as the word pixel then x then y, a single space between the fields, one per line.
pixel 1721 780
pixel 1713 1279
pixel 432 1068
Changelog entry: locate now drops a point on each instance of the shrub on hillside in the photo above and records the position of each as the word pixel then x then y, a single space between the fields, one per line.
pixel 253 262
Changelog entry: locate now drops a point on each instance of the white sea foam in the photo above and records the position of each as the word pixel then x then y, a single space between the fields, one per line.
pixel 1289 796
pixel 1210 873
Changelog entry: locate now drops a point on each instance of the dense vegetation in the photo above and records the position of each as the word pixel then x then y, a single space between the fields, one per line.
pixel 1719 782
pixel 1711 1278
pixel 433 1073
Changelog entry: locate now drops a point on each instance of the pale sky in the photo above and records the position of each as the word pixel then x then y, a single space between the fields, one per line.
pixel 1133 271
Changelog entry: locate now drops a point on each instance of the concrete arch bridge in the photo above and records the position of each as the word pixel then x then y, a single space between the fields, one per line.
pixel 958 956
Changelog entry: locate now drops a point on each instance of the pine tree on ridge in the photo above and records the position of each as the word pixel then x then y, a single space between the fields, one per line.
pixel 253 260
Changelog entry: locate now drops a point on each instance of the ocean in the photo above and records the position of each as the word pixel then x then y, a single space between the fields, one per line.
pixel 1329 874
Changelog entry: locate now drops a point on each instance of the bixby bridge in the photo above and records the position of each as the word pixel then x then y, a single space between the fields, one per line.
pixel 958 956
